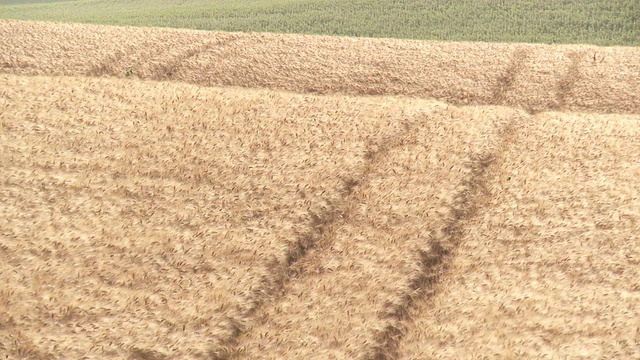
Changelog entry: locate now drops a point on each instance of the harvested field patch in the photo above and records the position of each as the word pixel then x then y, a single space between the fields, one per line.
pixel 463 73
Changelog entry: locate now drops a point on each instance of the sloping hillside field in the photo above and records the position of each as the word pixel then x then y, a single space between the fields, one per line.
pixel 531 77
pixel 260 203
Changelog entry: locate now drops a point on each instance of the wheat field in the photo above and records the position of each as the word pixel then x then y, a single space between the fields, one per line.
pixel 549 268
pixel 243 196
pixel 527 76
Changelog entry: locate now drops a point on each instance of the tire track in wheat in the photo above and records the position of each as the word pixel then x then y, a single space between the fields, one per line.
pixel 279 273
pixel 169 69
pixel 348 297
pixel 115 63
pixel 542 272
pixel 565 85
pixel 304 262
pixel 506 81
pixel 462 73
pixel 274 281
pixel 435 263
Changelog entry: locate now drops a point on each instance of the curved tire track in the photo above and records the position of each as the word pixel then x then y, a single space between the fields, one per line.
pixel 462 73
pixel 168 70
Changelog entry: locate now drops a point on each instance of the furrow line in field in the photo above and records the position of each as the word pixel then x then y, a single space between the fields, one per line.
pixel 189 206
pixel 551 260
pixel 277 273
pixel 565 84
pixel 168 70
pixel 533 77
pixel 345 297
pixel 435 262
pixel 321 235
pixel 117 63
pixel 506 81
pixel 319 232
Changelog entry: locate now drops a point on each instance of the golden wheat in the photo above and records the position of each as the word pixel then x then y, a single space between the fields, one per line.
pixel 528 76
pixel 157 220
pixel 550 267
pixel 347 301
pixel 144 216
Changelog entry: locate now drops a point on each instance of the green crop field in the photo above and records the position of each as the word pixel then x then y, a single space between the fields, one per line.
pixel 615 22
